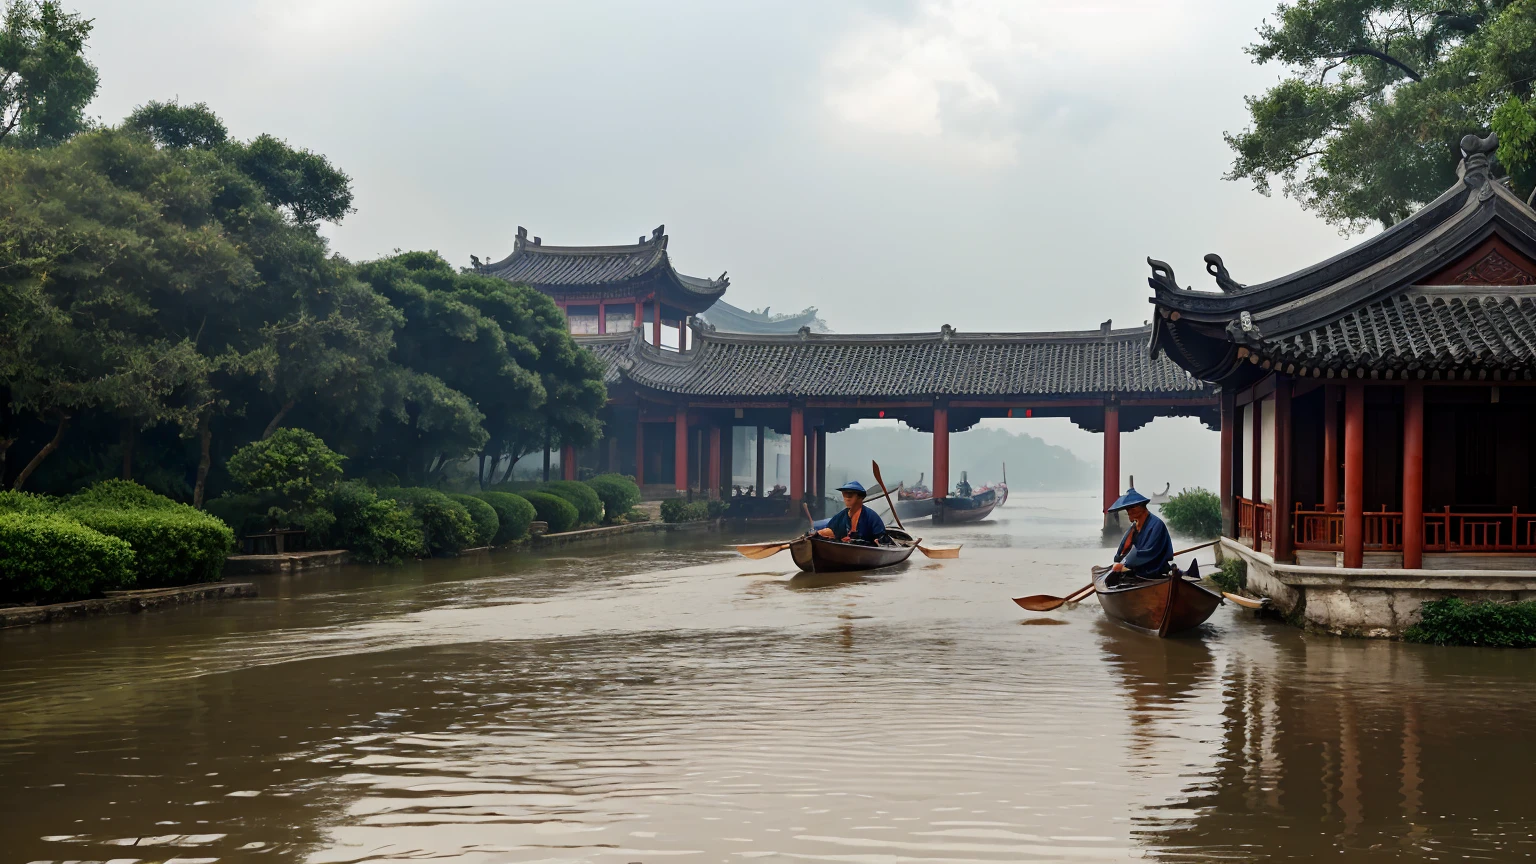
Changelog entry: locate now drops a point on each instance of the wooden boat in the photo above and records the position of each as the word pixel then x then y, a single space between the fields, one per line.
pixel 1164 606
pixel 954 510
pixel 821 555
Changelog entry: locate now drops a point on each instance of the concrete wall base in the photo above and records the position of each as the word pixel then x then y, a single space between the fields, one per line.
pixel 1377 602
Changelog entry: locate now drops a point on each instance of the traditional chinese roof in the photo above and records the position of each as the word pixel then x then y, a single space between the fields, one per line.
pixel 1448 290
pixel 578 274
pixel 727 318
pixel 1093 364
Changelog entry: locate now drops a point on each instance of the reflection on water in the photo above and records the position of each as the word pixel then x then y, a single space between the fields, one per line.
pixel 652 703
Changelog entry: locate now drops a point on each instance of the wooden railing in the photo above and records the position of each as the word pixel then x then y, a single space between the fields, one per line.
pixel 1444 531
pixel 1256 524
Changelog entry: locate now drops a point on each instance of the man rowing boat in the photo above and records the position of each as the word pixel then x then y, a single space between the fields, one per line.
pixel 1146 549
pixel 856 523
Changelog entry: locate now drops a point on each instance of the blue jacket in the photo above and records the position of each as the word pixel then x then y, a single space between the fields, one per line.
pixel 870 527
pixel 1150 552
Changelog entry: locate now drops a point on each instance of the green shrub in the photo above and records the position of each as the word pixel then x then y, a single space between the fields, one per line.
pixel 513 515
pixel 376 530
pixel 679 510
pixel 120 495
pixel 618 493
pixel 50 558
pixel 484 517
pixel 26 502
pixel 293 464
pixel 173 546
pixel 446 527
pixel 246 513
pixel 1454 621
pixel 1194 512
pixel 589 507
pixel 1232 575
pixel 558 513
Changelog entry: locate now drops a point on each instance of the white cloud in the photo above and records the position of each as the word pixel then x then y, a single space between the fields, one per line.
pixel 964 74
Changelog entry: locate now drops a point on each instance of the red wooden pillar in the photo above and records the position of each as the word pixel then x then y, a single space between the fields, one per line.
pixel 1330 449
pixel 1228 412
pixel 655 321
pixel 1413 475
pixel 639 452
pixel 568 462
pixel 1111 454
pixel 680 465
pixel 602 318
pixel 1284 540
pixel 714 461
pixel 640 316
pixel 1354 474
pixel 796 457
pixel 941 451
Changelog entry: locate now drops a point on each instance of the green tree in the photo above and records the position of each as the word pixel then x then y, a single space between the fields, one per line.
pixel 1366 125
pixel 45 80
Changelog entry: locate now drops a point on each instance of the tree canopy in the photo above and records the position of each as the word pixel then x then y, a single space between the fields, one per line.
pixel 45 80
pixel 1365 126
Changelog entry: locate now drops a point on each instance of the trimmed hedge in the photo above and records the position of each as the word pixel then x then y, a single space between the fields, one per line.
pixel 446 526
pixel 120 495
pixel 558 513
pixel 50 558
pixel 1454 621
pixel 618 493
pixel 376 530
pixel 513 514
pixel 487 523
pixel 680 510
pixel 26 502
pixel 589 507
pixel 175 546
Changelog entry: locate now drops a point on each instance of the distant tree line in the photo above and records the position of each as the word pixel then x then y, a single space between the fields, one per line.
pixel 166 297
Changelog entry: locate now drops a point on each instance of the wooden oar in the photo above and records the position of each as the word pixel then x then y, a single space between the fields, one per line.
pixel 930 551
pixel 1047 602
pixel 758 551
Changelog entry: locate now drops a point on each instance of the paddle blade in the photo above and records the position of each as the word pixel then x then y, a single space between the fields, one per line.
pixel 761 551
pixel 939 551
pixel 1040 602
pixel 1245 602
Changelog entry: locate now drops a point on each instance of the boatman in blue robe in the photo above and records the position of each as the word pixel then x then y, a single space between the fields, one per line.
pixel 1146 550
pixel 855 523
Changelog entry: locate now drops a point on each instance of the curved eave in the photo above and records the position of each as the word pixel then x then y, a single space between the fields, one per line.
pixel 1458 203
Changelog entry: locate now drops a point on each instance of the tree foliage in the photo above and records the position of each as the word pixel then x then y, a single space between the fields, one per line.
pixel 45 80
pixel 1366 125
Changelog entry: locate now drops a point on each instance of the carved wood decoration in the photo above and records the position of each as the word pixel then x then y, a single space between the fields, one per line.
pixel 1493 262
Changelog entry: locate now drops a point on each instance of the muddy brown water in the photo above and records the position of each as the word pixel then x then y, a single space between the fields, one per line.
pixel 667 701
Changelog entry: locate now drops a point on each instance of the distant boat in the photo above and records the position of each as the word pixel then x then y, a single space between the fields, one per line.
pixel 962 507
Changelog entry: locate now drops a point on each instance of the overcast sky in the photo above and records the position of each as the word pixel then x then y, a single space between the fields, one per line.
pixel 989 164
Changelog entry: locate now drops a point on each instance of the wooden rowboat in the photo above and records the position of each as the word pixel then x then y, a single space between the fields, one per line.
pixel 1164 606
pixel 821 555
pixel 952 511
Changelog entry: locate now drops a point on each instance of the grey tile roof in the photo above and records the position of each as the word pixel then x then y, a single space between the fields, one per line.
pixel 590 268
pixel 919 365
pixel 613 350
pixel 1422 328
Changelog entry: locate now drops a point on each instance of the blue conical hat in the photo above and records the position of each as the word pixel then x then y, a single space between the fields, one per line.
pixel 1130 499
pixel 852 486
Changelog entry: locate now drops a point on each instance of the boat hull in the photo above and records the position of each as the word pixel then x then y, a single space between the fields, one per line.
pixel 1162 606
pixel 820 555
pixel 914 508
pixel 953 511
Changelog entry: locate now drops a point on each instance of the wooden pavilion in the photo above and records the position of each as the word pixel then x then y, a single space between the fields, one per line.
pixel 610 289
pixel 1376 407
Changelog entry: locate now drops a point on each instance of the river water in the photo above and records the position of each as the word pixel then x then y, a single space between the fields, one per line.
pixel 668 701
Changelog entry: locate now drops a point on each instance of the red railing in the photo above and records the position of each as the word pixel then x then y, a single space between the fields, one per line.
pixel 1444 531
pixel 1256 524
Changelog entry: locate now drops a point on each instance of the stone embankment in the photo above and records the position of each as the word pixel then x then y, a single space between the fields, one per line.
pixel 121 602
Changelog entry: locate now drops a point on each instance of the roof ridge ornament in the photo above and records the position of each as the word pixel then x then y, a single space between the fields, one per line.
pixel 805 333
pixel 1218 270
pixel 1162 278
pixel 945 333
pixel 1474 163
